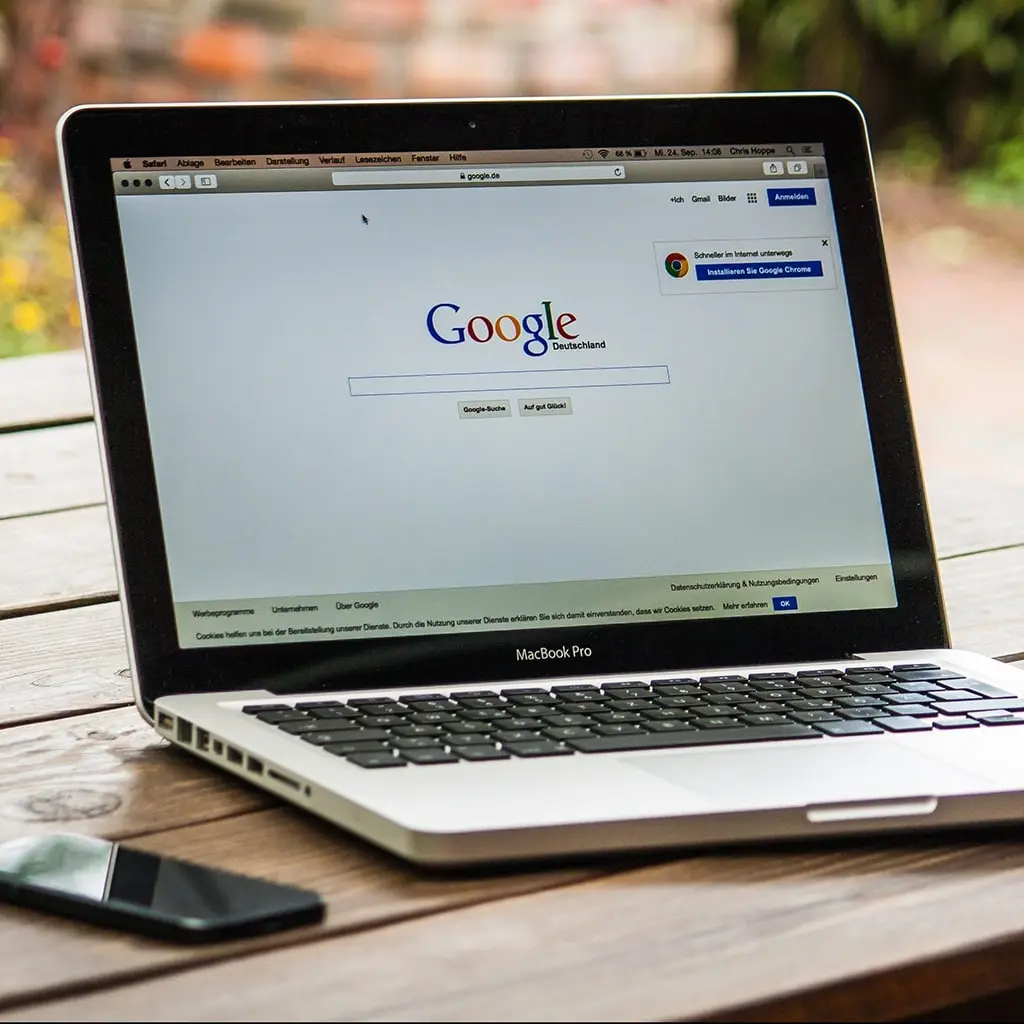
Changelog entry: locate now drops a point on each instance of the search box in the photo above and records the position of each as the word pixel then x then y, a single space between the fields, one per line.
pixel 478 175
pixel 508 380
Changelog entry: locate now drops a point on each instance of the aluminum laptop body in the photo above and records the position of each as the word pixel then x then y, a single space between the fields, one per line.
pixel 503 479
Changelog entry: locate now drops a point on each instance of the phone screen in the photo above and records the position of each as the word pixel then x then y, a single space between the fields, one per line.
pixel 73 870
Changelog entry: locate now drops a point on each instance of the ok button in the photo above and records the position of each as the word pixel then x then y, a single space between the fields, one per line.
pixel 784 604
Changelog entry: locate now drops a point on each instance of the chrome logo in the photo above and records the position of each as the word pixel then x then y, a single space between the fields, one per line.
pixel 677 264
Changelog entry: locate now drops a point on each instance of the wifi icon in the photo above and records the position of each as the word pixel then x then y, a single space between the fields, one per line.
pixel 603 153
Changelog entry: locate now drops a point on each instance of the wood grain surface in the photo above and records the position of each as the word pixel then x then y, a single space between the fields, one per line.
pixel 855 931
pixel 362 888
pixel 720 934
pixel 49 469
pixel 63 663
pixel 44 390
pixel 57 560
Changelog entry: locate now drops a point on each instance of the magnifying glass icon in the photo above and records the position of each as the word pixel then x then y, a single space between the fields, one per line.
pixel 789 150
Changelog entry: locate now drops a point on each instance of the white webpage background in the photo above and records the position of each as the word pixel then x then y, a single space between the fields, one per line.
pixel 253 310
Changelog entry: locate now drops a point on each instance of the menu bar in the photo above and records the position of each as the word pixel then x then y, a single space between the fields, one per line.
pixel 599 154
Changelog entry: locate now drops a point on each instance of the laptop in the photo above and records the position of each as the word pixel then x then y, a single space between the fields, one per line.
pixel 511 479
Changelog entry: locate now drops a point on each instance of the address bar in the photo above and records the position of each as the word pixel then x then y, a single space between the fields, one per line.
pixel 477 175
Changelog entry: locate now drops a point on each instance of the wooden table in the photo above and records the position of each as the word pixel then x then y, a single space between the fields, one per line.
pixel 861 930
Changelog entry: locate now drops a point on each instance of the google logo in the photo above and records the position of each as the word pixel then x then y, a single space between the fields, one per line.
pixel 536 329
pixel 677 264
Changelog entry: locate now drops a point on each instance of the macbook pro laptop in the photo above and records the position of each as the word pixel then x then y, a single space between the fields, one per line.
pixel 502 479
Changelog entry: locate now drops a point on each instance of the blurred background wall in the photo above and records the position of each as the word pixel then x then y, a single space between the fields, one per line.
pixel 942 81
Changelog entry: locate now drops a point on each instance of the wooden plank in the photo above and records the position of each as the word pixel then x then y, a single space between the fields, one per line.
pixel 711 935
pixel 108 774
pixel 965 382
pixel 44 390
pixel 56 560
pixel 985 601
pixel 362 887
pixel 63 663
pixel 47 470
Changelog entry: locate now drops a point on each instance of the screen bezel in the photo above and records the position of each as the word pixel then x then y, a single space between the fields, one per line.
pixel 91 136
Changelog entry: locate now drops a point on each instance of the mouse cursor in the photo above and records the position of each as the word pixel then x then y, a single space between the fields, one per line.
pixel 366 220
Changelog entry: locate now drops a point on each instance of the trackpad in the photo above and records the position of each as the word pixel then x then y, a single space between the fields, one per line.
pixel 810 773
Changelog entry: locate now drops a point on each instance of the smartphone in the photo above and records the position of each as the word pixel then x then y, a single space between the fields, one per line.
pixel 114 885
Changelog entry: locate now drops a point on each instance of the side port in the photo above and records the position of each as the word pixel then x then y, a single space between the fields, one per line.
pixel 202 739
pixel 164 720
pixel 184 731
pixel 273 773
pixel 254 765
pixel 234 755
pixel 218 748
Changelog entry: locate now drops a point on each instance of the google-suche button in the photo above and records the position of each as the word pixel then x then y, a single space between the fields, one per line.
pixel 792 197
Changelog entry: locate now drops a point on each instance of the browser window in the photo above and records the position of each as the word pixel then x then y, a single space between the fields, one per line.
pixel 400 394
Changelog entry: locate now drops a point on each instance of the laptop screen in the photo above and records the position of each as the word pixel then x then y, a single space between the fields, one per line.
pixel 399 394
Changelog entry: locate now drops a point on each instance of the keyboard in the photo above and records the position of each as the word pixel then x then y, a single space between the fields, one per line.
pixel 618 717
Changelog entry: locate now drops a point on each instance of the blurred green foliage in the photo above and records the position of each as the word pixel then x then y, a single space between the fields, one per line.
pixel 940 80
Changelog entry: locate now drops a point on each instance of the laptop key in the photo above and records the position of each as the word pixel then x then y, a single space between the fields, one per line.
pixel 955 722
pixel 715 722
pixel 757 677
pixel 414 742
pixel 566 721
pixel 907 698
pixel 947 695
pixel 321 739
pixel 521 723
pixel 570 732
pixel 540 748
pixel 516 735
pixel 527 700
pixel 381 759
pixel 384 709
pixel 715 710
pixel 484 714
pixel 763 707
pixel 965 707
pixel 810 717
pixel 904 723
pixel 913 710
pixel 316 725
pixel 926 675
pixel 617 729
pixel 696 738
pixel 860 702
pixel 668 714
pixel 355 747
pixel 676 691
pixel 985 689
pixel 849 728
pixel 274 717
pixel 431 705
pixel 861 714
pixel 255 709
pixel 334 712
pixel 480 702
pixel 670 725
pixel 997 718
pixel 306 705
pixel 615 717
pixel 815 704
pixel 432 717
pixel 481 752
pixel 417 730
pixel 429 755
pixel 682 701
pixel 821 691
pixel 457 739
pixel 582 707
pixel 381 721
pixel 466 727
pixel 868 689
pixel 923 667
pixel 765 719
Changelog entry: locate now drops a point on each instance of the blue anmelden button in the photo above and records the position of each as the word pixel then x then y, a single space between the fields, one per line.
pixel 792 197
